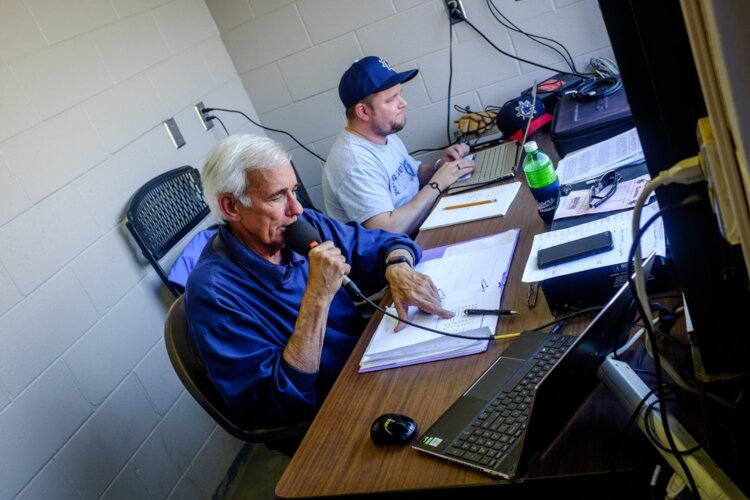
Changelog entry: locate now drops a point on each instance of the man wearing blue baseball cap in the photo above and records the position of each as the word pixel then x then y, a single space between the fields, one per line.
pixel 369 176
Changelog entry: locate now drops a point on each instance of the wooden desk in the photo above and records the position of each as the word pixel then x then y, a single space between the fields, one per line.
pixel 337 456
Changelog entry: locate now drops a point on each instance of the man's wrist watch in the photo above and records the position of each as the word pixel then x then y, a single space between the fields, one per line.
pixel 436 187
pixel 398 259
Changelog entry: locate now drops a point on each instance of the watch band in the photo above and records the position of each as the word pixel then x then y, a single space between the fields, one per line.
pixel 398 259
pixel 436 186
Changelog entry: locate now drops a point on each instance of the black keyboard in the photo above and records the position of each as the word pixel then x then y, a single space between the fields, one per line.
pixel 503 420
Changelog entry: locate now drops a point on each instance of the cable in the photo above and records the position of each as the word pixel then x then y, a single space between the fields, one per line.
pixel 684 172
pixel 512 56
pixel 213 117
pixel 447 334
pixel 209 110
pixel 593 89
pixel 450 80
pixel 511 26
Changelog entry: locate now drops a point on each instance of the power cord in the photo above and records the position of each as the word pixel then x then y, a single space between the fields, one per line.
pixel 592 88
pixel 508 24
pixel 513 56
pixel 214 117
pixel 685 172
pixel 210 110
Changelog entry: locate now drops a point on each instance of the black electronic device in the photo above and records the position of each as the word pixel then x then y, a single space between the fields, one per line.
pixel 576 249
pixel 393 428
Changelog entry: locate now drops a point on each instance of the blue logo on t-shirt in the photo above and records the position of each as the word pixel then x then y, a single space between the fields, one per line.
pixel 402 177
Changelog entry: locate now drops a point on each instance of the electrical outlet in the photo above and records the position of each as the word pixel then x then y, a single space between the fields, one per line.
pixel 456 11
pixel 174 133
pixel 200 109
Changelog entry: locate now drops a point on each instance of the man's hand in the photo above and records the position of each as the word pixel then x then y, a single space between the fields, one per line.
pixel 412 288
pixel 455 152
pixel 448 173
pixel 327 267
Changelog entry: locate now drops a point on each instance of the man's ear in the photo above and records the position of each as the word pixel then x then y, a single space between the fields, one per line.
pixel 228 206
pixel 362 111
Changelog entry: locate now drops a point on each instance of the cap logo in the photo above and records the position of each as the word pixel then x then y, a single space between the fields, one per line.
pixel 525 109
pixel 385 64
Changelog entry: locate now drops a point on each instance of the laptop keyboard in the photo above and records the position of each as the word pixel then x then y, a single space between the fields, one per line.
pixel 491 165
pixel 503 421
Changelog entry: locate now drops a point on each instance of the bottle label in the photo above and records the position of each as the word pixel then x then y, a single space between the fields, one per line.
pixel 541 177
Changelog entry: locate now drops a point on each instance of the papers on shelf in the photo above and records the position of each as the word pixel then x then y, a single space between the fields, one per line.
pixel 594 160
pixel 577 202
pixel 619 224
pixel 481 204
pixel 470 275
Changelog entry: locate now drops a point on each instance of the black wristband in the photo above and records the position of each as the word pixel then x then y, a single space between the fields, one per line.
pixel 436 186
pixel 398 259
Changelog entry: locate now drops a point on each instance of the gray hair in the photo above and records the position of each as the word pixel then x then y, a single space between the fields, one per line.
pixel 229 161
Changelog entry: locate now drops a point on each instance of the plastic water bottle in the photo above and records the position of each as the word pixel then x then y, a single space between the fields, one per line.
pixel 542 179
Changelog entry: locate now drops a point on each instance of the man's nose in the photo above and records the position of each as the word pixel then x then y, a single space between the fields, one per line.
pixel 294 207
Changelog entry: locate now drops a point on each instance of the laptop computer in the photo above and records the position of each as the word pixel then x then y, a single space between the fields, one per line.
pixel 496 163
pixel 516 408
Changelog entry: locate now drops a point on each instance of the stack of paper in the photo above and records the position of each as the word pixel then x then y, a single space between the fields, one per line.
pixel 471 275
pixel 472 205
pixel 619 224
pixel 593 161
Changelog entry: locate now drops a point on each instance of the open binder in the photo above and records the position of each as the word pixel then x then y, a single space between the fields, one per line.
pixel 470 275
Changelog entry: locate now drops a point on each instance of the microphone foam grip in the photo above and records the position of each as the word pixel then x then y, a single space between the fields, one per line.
pixel 301 236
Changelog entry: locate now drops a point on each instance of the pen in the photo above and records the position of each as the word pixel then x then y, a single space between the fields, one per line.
pixel 470 204
pixel 497 312
pixel 506 336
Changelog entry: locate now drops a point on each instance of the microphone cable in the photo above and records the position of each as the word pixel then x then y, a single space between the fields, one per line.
pixel 210 110
pixel 555 324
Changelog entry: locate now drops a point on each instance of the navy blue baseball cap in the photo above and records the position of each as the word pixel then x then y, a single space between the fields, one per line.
pixel 513 116
pixel 367 76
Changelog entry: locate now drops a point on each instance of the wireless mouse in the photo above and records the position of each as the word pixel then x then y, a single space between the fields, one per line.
pixel 393 428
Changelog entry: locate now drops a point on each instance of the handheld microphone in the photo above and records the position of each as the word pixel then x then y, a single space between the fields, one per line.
pixel 302 237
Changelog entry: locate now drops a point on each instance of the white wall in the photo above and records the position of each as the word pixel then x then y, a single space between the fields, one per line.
pixel 89 404
pixel 291 54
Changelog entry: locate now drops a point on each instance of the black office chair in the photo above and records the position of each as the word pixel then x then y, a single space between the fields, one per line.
pixel 189 367
pixel 162 212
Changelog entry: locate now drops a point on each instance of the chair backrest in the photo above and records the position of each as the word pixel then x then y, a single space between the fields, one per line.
pixel 186 362
pixel 163 211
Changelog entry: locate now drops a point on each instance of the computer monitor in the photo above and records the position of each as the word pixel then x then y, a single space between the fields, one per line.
pixel 667 98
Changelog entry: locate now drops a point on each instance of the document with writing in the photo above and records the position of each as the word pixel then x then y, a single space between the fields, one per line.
pixel 576 203
pixel 594 160
pixel 619 224
pixel 470 275
pixel 473 205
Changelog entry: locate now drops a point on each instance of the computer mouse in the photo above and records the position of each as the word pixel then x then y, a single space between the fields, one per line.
pixel 393 428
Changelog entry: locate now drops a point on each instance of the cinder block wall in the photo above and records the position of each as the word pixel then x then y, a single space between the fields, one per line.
pixel 89 404
pixel 291 54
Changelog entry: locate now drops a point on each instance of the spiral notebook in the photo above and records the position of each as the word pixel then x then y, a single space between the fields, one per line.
pixel 470 275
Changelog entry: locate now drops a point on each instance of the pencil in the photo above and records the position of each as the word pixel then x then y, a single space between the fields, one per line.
pixel 470 204
pixel 506 336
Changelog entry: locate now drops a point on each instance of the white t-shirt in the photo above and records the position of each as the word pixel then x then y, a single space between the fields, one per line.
pixel 362 179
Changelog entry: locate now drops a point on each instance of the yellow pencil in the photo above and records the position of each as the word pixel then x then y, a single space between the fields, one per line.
pixel 506 336
pixel 470 204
